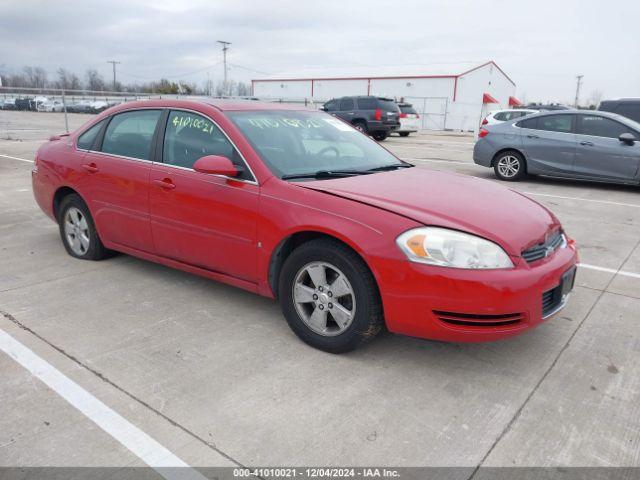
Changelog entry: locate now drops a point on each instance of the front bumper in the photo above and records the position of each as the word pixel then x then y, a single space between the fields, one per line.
pixel 470 305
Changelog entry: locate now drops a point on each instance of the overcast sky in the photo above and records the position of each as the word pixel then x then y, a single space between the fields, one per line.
pixel 541 44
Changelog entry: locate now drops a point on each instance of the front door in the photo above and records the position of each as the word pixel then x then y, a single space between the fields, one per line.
pixel 599 152
pixel 208 221
pixel 549 143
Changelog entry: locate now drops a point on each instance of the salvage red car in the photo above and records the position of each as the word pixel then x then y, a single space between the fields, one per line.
pixel 297 205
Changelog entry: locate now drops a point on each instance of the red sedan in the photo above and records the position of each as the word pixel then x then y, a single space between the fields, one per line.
pixel 297 205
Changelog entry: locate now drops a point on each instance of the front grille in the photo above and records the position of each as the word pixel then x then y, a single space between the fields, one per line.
pixel 544 249
pixel 551 299
pixel 479 320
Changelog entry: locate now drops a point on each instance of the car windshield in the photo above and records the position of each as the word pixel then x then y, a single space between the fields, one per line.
pixel 302 142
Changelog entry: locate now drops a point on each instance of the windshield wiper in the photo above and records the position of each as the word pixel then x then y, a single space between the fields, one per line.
pixel 394 166
pixel 327 174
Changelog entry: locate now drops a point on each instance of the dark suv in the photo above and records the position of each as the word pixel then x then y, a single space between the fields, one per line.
pixel 627 107
pixel 376 116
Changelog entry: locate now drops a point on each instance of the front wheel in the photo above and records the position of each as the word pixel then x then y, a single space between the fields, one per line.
pixel 404 134
pixel 509 166
pixel 380 136
pixel 329 296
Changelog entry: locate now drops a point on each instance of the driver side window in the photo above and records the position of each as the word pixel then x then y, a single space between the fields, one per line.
pixel 189 137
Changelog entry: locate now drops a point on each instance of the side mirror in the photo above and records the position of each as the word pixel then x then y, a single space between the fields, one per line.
pixel 216 165
pixel 627 138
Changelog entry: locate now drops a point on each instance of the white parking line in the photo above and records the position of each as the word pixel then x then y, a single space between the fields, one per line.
pixel 609 270
pixel 607 202
pixel 130 436
pixel 437 160
pixel 16 158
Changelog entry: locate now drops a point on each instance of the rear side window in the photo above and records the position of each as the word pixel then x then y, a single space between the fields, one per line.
pixel 130 134
pixel 347 104
pixel 503 116
pixel 388 105
pixel 531 123
pixel 367 103
pixel 189 137
pixel 331 105
pixel 407 109
pixel 556 123
pixel 86 140
pixel 629 110
pixel 600 126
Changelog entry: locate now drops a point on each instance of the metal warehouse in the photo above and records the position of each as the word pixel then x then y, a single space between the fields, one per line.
pixel 448 96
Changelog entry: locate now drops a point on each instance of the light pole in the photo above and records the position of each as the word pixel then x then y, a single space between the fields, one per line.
pixel 225 47
pixel 578 85
pixel 114 63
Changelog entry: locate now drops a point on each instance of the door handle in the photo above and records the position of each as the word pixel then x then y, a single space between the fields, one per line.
pixel 165 183
pixel 90 167
pixel 587 144
pixel 533 136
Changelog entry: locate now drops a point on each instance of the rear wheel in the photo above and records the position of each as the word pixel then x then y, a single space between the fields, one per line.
pixel 404 134
pixel 380 136
pixel 329 297
pixel 77 230
pixel 509 166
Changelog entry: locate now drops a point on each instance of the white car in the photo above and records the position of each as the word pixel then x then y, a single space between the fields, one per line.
pixel 409 120
pixel 50 106
pixel 499 116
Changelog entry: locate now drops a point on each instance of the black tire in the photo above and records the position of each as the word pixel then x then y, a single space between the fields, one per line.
pixel 95 249
pixel 404 134
pixel 505 162
pixel 380 136
pixel 361 126
pixel 368 318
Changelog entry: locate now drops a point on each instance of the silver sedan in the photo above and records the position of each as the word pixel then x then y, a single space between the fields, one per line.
pixel 586 145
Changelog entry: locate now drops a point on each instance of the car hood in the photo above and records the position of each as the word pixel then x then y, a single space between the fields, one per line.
pixel 450 200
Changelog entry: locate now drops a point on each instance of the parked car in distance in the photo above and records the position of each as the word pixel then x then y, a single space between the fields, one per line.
pixel 297 205
pixel 24 104
pixel 547 107
pixel 409 120
pixel 627 107
pixel 50 106
pixel 375 116
pixel 499 116
pixel 82 106
pixel 8 104
pixel 581 144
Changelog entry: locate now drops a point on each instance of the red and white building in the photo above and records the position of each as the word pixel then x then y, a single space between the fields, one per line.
pixel 448 96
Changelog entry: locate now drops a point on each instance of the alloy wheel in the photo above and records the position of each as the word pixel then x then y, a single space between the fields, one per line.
pixel 324 298
pixel 509 166
pixel 76 230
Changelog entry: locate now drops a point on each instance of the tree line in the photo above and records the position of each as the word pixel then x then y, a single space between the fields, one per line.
pixel 37 77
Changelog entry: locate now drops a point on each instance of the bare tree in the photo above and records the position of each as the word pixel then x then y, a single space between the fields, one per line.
pixel 595 98
pixel 35 77
pixel 94 80
pixel 67 80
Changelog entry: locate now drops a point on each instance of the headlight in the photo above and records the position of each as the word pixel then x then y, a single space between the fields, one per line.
pixel 450 248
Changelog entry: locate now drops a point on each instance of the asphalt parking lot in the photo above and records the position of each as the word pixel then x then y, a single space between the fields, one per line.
pixel 212 375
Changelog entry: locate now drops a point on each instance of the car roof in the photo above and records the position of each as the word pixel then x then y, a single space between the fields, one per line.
pixel 220 104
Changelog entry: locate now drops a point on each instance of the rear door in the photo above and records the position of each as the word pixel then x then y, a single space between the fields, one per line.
pixel 549 143
pixel 599 152
pixel 208 221
pixel 346 109
pixel 115 177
